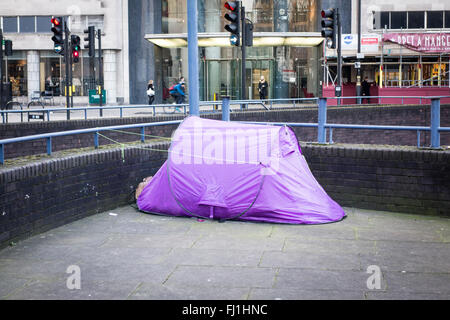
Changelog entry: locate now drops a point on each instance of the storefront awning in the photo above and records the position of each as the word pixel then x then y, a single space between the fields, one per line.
pixel 260 39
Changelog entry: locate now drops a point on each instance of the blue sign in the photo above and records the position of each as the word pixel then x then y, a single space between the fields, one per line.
pixel 348 39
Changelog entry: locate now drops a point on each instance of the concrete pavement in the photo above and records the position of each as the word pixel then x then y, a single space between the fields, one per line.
pixel 125 254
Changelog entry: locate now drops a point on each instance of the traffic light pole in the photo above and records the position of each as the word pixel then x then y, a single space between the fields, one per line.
pixel 1 69
pixel 100 70
pixel 243 60
pixel 358 69
pixel 339 54
pixel 67 63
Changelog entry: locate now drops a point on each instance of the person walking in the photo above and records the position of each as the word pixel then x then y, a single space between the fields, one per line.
pixel 262 88
pixel 366 89
pixel 178 93
pixel 150 92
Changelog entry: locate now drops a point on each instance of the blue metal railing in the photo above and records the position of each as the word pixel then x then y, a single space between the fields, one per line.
pixel 95 131
pixel 321 125
pixel 166 108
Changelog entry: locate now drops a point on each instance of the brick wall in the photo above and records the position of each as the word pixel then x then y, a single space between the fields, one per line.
pixel 43 195
pixel 386 179
pixel 39 196
pixel 381 115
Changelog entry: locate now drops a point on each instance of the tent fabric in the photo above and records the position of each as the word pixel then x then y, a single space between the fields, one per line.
pixel 231 170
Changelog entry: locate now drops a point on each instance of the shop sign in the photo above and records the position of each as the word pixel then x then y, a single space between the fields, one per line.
pixel 421 42
pixel 369 42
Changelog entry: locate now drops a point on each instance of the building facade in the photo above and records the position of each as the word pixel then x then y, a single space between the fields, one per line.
pixel 405 47
pixel 287 48
pixel 27 24
pixel 146 39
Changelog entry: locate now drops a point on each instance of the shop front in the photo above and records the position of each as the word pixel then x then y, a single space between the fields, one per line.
pixel 405 65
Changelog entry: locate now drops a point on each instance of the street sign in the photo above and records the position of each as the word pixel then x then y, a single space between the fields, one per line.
pixel 338 91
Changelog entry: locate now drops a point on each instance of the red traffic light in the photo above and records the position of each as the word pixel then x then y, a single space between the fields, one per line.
pixel 55 21
pixel 329 13
pixel 76 54
pixel 231 5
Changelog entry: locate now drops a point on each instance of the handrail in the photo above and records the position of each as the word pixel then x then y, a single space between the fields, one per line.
pixel 434 127
pixel 95 130
pixel 185 106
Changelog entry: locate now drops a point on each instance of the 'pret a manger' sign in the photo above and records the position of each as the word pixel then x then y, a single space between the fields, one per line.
pixel 421 42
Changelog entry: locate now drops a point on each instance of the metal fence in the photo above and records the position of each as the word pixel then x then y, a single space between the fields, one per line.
pixel 322 125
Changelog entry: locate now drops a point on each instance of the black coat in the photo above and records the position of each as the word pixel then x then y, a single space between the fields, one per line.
pixel 262 86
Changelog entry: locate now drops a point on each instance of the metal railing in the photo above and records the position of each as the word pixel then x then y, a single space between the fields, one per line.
pixel 45 113
pixel 321 126
pixel 95 131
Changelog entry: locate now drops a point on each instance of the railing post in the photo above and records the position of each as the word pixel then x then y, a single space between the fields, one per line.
pixel 435 122
pixel 322 119
pixel 96 139
pixel 225 108
pixel 142 134
pixel 2 153
pixel 49 146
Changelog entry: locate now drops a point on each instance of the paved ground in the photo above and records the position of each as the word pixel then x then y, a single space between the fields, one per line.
pixel 124 254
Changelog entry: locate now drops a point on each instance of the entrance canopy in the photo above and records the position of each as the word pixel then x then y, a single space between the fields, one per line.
pixel 222 39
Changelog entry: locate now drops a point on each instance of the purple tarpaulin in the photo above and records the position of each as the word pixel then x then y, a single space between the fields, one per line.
pixel 231 170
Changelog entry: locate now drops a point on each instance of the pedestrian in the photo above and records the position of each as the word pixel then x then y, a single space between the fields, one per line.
pixel 366 89
pixel 150 92
pixel 177 92
pixel 262 88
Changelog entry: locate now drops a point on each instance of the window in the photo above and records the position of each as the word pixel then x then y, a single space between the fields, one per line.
pixel 398 20
pixel 416 20
pixel 10 24
pixel 384 20
pixel 435 19
pixel 447 19
pixel 43 24
pixel 27 24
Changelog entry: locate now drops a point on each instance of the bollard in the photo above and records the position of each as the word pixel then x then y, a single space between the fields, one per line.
pixel 322 119
pixel 435 122
pixel 225 108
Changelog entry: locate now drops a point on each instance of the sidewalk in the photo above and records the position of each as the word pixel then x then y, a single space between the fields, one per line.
pixel 125 254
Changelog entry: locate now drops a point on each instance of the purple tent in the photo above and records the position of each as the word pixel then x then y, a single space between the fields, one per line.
pixel 231 170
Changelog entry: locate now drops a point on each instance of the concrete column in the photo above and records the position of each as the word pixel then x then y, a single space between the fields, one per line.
pixel 33 72
pixel 110 75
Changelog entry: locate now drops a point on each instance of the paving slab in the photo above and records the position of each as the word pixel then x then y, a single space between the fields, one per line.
pixel 126 254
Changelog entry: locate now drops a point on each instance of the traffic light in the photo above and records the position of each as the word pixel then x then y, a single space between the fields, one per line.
pixel 248 35
pixel 234 17
pixel 329 27
pixel 8 48
pixel 75 43
pixel 90 40
pixel 57 29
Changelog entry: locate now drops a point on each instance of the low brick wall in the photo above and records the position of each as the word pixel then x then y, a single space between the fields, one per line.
pixel 370 115
pixel 386 179
pixel 39 196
